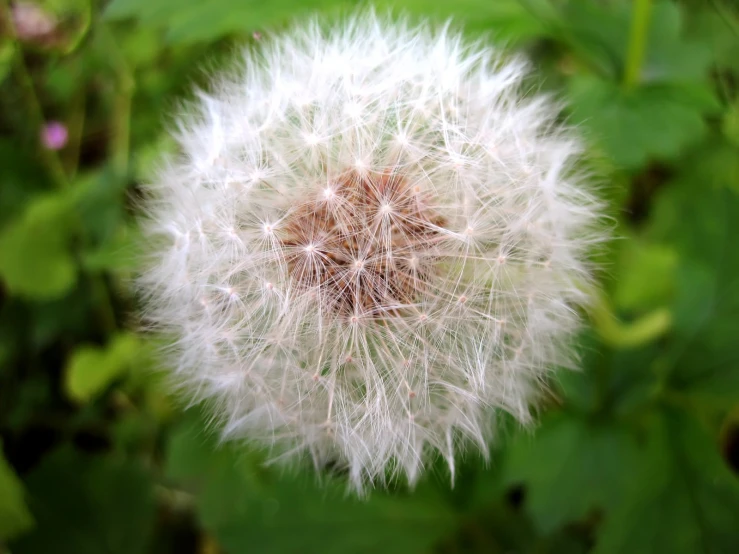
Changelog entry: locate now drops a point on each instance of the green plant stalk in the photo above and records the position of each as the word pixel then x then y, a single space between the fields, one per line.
pixel 53 162
pixel 103 301
pixel 120 141
pixel 121 131
pixel 80 34
pixel 50 157
pixel 121 123
pixel 76 126
pixel 637 46
pixel 618 334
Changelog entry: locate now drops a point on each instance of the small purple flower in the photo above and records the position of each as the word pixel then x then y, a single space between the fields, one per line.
pixel 54 135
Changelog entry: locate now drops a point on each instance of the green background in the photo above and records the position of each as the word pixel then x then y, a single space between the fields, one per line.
pixel 636 453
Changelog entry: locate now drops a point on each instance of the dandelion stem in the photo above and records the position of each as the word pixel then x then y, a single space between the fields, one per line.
pixel 637 42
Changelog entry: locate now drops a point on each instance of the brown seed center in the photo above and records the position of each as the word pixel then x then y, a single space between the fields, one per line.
pixel 366 245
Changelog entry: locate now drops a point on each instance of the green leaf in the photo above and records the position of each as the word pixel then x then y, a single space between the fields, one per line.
pixel 146 158
pixel 716 26
pixel 7 52
pixel 88 505
pixel 35 257
pixel 513 20
pixel 99 204
pixel 119 253
pixel 714 164
pixel 613 384
pixel 730 124
pixel 599 33
pixel 596 34
pixel 252 509
pixel 683 499
pixel 193 21
pixel 75 16
pixel 650 121
pixel 657 119
pixel 670 57
pixel 26 400
pixel 15 519
pixel 91 369
pixel 22 179
pixel 189 21
pixel 571 467
pixel 703 361
pixel 646 275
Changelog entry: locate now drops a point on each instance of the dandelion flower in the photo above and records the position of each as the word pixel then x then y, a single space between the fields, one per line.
pixel 371 244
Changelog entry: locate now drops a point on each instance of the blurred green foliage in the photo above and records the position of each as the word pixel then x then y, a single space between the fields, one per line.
pixel 638 452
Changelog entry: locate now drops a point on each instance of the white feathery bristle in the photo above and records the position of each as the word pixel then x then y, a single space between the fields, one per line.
pixel 371 244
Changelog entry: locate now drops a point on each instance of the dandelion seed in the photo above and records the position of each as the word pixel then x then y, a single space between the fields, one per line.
pixel 422 289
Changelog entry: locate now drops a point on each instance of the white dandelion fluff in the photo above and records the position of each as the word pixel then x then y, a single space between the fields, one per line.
pixel 371 244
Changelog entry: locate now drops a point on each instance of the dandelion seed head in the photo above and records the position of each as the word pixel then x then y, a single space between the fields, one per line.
pixel 402 263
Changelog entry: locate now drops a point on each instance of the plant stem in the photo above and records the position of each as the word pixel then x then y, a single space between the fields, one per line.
pixel 53 162
pixel 103 301
pixel 120 142
pixel 121 130
pixel 50 157
pixel 640 15
pixel 618 334
pixel 76 127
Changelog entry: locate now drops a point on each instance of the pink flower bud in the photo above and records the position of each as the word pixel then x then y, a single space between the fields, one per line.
pixel 31 22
